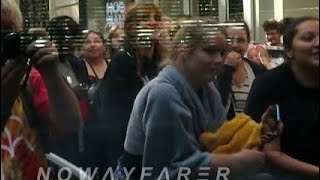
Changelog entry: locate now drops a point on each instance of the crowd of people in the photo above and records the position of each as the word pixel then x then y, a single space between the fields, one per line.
pixel 142 98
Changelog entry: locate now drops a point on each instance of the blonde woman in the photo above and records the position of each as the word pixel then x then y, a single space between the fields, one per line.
pixel 115 40
pixel 171 112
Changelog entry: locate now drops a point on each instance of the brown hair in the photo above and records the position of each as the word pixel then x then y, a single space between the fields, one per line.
pixel 271 24
pixel 112 30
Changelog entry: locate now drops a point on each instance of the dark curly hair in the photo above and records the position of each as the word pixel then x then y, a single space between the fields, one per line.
pixel 271 24
pixel 64 31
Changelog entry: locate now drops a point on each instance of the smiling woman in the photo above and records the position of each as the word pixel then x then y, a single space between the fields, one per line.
pixel 201 41
pixel 94 54
pixel 295 87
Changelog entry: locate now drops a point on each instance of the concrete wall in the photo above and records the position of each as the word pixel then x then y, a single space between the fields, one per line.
pixel 64 7
pixel 294 8
pixel 265 11
pixel 96 15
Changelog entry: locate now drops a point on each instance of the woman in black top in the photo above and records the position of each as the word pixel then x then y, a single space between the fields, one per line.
pixel 93 64
pixel 295 87
pixel 90 71
pixel 128 71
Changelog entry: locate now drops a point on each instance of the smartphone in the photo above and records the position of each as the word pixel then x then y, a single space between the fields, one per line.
pixel 277 113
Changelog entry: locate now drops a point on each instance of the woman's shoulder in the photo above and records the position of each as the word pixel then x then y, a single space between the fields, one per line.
pixel 157 92
pixel 256 68
pixel 278 77
pixel 160 88
pixel 122 63
pixel 122 56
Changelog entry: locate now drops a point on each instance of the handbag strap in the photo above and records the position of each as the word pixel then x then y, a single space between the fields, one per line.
pixel 91 67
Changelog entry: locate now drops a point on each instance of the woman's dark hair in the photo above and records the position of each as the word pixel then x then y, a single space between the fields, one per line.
pixel 284 23
pixel 247 29
pixel 64 31
pixel 63 26
pixel 86 33
pixel 291 30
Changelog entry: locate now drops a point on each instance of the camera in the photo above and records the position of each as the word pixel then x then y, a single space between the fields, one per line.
pixel 11 46
pixel 15 44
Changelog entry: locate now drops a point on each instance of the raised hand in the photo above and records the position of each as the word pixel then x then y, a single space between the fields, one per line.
pixel 233 59
pixel 44 55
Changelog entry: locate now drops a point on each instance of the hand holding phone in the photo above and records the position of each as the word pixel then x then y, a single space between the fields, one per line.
pixel 270 119
pixel 271 125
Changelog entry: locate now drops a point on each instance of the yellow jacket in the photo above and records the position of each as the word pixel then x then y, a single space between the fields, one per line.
pixel 241 132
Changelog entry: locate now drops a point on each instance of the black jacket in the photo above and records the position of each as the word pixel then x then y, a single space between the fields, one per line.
pixel 115 97
pixel 299 111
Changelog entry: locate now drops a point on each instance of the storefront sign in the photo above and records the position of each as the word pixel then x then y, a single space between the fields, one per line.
pixel 115 13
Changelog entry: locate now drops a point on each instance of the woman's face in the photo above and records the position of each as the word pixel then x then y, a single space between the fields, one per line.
pixel 202 63
pixel 237 40
pixel 93 46
pixel 305 45
pixel 117 39
pixel 153 22
pixel 149 27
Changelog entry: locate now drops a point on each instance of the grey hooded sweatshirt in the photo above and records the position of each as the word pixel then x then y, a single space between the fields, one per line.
pixel 166 121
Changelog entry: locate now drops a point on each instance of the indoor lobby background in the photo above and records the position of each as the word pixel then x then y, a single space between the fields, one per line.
pixel 101 15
